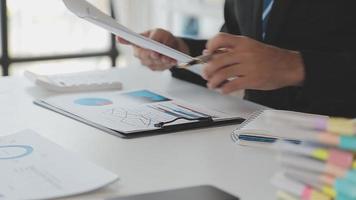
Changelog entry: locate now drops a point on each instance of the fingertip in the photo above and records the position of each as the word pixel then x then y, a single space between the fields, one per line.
pixel 146 33
pixel 206 72
pixel 122 41
pixel 232 86
pixel 173 62
pixel 206 52
pixel 204 75
pixel 166 60
pixel 224 90
pixel 209 86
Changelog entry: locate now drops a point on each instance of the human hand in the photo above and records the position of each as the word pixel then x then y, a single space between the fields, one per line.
pixel 249 64
pixel 154 60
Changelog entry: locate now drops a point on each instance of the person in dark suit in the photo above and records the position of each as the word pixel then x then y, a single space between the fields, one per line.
pixel 295 55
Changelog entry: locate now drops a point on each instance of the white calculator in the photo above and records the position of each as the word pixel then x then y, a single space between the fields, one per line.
pixel 77 82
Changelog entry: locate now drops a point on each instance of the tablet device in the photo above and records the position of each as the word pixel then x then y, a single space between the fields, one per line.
pixel 191 193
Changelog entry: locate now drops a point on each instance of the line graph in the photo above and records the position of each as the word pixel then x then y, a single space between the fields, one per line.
pixel 148 115
pixel 130 117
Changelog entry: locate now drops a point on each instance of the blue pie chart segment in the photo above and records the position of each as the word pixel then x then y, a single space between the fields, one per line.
pixel 10 152
pixel 93 102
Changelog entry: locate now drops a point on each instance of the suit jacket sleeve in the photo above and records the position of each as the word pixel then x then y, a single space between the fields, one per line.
pixel 330 78
pixel 197 46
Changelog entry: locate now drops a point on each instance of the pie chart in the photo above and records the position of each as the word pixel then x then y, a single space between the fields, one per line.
pixel 9 152
pixel 93 102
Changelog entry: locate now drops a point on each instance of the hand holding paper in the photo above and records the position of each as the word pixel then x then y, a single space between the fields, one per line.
pixel 156 61
pixel 85 10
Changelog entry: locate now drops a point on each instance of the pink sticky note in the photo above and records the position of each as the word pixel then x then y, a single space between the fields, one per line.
pixel 341 158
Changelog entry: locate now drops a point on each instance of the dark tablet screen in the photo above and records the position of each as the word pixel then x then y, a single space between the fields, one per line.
pixel 191 193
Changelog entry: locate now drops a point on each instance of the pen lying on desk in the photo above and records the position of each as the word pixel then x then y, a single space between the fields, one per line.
pixel 201 59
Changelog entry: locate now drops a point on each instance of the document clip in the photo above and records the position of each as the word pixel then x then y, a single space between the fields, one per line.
pixel 200 119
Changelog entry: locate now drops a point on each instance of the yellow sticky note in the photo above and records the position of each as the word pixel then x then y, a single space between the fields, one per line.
pixel 321 154
pixel 319 196
pixel 341 126
pixel 329 191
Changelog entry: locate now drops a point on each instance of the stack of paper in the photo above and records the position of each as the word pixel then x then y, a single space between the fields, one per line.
pixel 321 163
pixel 32 167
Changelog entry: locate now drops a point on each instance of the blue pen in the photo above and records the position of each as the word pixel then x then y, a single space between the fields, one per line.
pixel 263 139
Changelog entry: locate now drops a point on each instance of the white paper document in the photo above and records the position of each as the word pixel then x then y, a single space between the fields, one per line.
pixel 31 167
pixel 85 10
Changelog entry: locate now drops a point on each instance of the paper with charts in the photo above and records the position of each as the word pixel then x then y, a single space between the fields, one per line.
pixel 31 167
pixel 130 111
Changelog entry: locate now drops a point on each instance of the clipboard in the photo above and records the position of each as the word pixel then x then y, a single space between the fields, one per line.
pixel 177 125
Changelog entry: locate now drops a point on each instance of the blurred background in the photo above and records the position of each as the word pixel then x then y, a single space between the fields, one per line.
pixel 44 37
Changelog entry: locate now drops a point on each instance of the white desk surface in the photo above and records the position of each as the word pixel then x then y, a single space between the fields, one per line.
pixel 197 157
